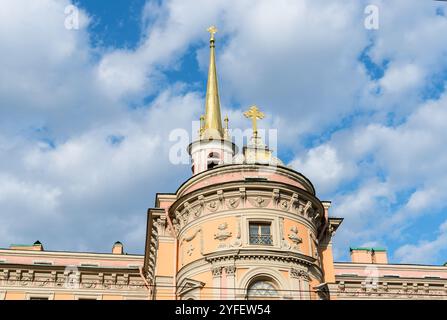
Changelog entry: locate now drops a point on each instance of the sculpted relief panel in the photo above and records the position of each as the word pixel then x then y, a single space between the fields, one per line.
pixel 222 200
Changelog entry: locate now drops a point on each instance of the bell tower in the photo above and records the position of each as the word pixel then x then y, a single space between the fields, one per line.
pixel 214 146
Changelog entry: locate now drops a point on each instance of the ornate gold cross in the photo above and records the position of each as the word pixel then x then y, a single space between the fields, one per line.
pixel 212 30
pixel 254 113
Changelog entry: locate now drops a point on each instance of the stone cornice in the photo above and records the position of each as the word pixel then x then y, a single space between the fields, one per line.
pixel 49 268
pixel 72 279
pixel 219 170
pixel 403 267
pixel 259 254
pixel 68 254
pixel 409 280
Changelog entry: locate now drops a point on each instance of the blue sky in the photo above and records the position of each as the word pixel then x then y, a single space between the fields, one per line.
pixel 86 114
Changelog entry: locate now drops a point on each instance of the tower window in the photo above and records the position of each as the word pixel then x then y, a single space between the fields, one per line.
pixel 212 164
pixel 260 233
pixel 213 160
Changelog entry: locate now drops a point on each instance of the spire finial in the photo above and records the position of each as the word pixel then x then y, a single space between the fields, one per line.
pixel 213 120
pixel 212 30
pixel 254 114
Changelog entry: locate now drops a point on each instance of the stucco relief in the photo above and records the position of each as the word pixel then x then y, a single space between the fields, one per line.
pixel 189 249
pixel 299 274
pixel 213 206
pixel 222 235
pixel 259 201
pixel 216 272
pixel 230 270
pixel 293 236
pixel 233 203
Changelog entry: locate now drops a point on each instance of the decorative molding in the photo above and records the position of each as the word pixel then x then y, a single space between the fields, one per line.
pixel 306 208
pixel 282 199
pixel 220 196
pixel 61 280
pixel 259 201
pixel 314 247
pixel 160 224
pixel 299 274
pixel 238 241
pixel 188 285
pixel 230 270
pixel 390 289
pixel 217 272
pixel 191 248
pixel 243 196
pixel 262 256
pixel 275 197
pixel 284 243
pixel 284 205
pixel 233 203
pixel 222 235
pixel 190 238
pixel 294 201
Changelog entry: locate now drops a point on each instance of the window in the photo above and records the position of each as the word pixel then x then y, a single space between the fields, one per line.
pixel 89 265
pixel 262 289
pixel 260 233
pixel 39 298
pixel 213 160
pixel 43 263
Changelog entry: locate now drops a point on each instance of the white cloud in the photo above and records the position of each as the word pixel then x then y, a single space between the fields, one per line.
pixel 402 78
pixel 324 168
pixel 425 252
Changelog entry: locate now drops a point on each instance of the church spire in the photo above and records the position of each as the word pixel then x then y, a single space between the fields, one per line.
pixel 213 121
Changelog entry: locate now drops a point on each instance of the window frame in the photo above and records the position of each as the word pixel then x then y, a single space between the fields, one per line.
pixel 39 296
pixel 259 225
pixel 258 218
pixel 265 279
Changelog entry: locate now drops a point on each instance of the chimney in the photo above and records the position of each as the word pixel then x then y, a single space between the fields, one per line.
pixel 369 255
pixel 36 246
pixel 117 248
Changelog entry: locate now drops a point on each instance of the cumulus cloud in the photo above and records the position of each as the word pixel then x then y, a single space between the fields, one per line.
pixel 409 158
pixel 425 251
pixel 324 167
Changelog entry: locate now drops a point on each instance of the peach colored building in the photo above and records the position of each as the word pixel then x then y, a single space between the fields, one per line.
pixel 244 226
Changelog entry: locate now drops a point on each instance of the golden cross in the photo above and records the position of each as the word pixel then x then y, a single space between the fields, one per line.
pixel 212 30
pixel 254 113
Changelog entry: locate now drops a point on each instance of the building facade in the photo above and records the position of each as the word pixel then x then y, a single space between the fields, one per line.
pixel 244 226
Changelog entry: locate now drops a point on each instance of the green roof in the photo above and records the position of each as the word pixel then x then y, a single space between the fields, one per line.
pixel 368 249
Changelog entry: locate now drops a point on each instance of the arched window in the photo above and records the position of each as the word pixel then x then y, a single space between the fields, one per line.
pixel 262 289
pixel 214 155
